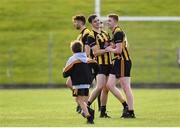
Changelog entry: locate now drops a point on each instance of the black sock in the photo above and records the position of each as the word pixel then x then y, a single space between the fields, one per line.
pixel 131 111
pixel 124 104
pixel 89 103
pixel 103 109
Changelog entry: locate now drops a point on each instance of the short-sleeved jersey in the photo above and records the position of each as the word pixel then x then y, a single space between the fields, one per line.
pixel 102 40
pixel 83 37
pixel 119 36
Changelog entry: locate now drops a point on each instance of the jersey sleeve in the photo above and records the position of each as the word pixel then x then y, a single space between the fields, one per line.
pixel 85 39
pixel 91 41
pixel 118 37
pixel 66 73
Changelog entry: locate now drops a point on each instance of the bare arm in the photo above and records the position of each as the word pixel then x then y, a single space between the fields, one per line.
pixel 87 49
pixel 117 49
pixel 98 51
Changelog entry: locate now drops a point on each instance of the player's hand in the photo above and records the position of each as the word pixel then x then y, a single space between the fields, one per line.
pixel 109 48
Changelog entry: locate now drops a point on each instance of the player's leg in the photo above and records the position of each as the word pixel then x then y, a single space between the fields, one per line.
pixel 111 85
pixel 104 98
pixel 125 81
pixel 99 102
pixel 80 100
pixel 69 85
pixel 125 84
pixel 87 112
pixel 99 85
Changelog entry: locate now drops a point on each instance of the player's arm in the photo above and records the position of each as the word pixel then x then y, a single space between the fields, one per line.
pixel 86 45
pixel 98 51
pixel 87 49
pixel 67 71
pixel 118 39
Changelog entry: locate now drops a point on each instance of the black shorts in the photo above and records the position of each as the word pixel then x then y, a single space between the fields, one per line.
pixel 105 69
pixel 80 92
pixel 121 68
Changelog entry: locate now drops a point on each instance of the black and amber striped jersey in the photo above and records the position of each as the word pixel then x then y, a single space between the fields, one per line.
pixel 83 36
pixel 102 40
pixel 119 36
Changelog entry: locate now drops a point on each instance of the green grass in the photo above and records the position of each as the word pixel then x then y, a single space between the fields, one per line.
pixel 141 7
pixel 56 107
pixel 25 28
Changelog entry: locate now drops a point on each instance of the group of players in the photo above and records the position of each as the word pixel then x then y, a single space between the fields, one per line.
pixel 92 58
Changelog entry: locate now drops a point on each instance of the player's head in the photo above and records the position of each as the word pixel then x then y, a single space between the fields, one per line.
pixel 78 21
pixel 94 21
pixel 76 46
pixel 112 20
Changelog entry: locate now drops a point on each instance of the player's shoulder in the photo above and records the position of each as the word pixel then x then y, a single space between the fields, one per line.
pixel 91 34
pixel 86 31
pixel 72 60
pixel 118 29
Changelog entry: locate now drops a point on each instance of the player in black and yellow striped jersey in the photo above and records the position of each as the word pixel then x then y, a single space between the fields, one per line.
pixel 98 41
pixel 122 65
pixel 79 22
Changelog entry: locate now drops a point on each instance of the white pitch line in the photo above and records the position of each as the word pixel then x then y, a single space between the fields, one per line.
pixel 146 18
pixel 135 18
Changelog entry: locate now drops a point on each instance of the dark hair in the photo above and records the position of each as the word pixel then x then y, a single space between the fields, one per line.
pixel 91 17
pixel 80 18
pixel 76 46
pixel 114 16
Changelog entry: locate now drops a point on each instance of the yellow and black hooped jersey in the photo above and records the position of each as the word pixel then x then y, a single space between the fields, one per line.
pixel 119 36
pixel 83 36
pixel 102 40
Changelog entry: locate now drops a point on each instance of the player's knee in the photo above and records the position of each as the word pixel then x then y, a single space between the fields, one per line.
pixel 105 89
pixel 109 86
pixel 99 88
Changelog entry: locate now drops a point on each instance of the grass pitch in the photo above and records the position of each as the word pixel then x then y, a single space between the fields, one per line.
pixel 56 107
